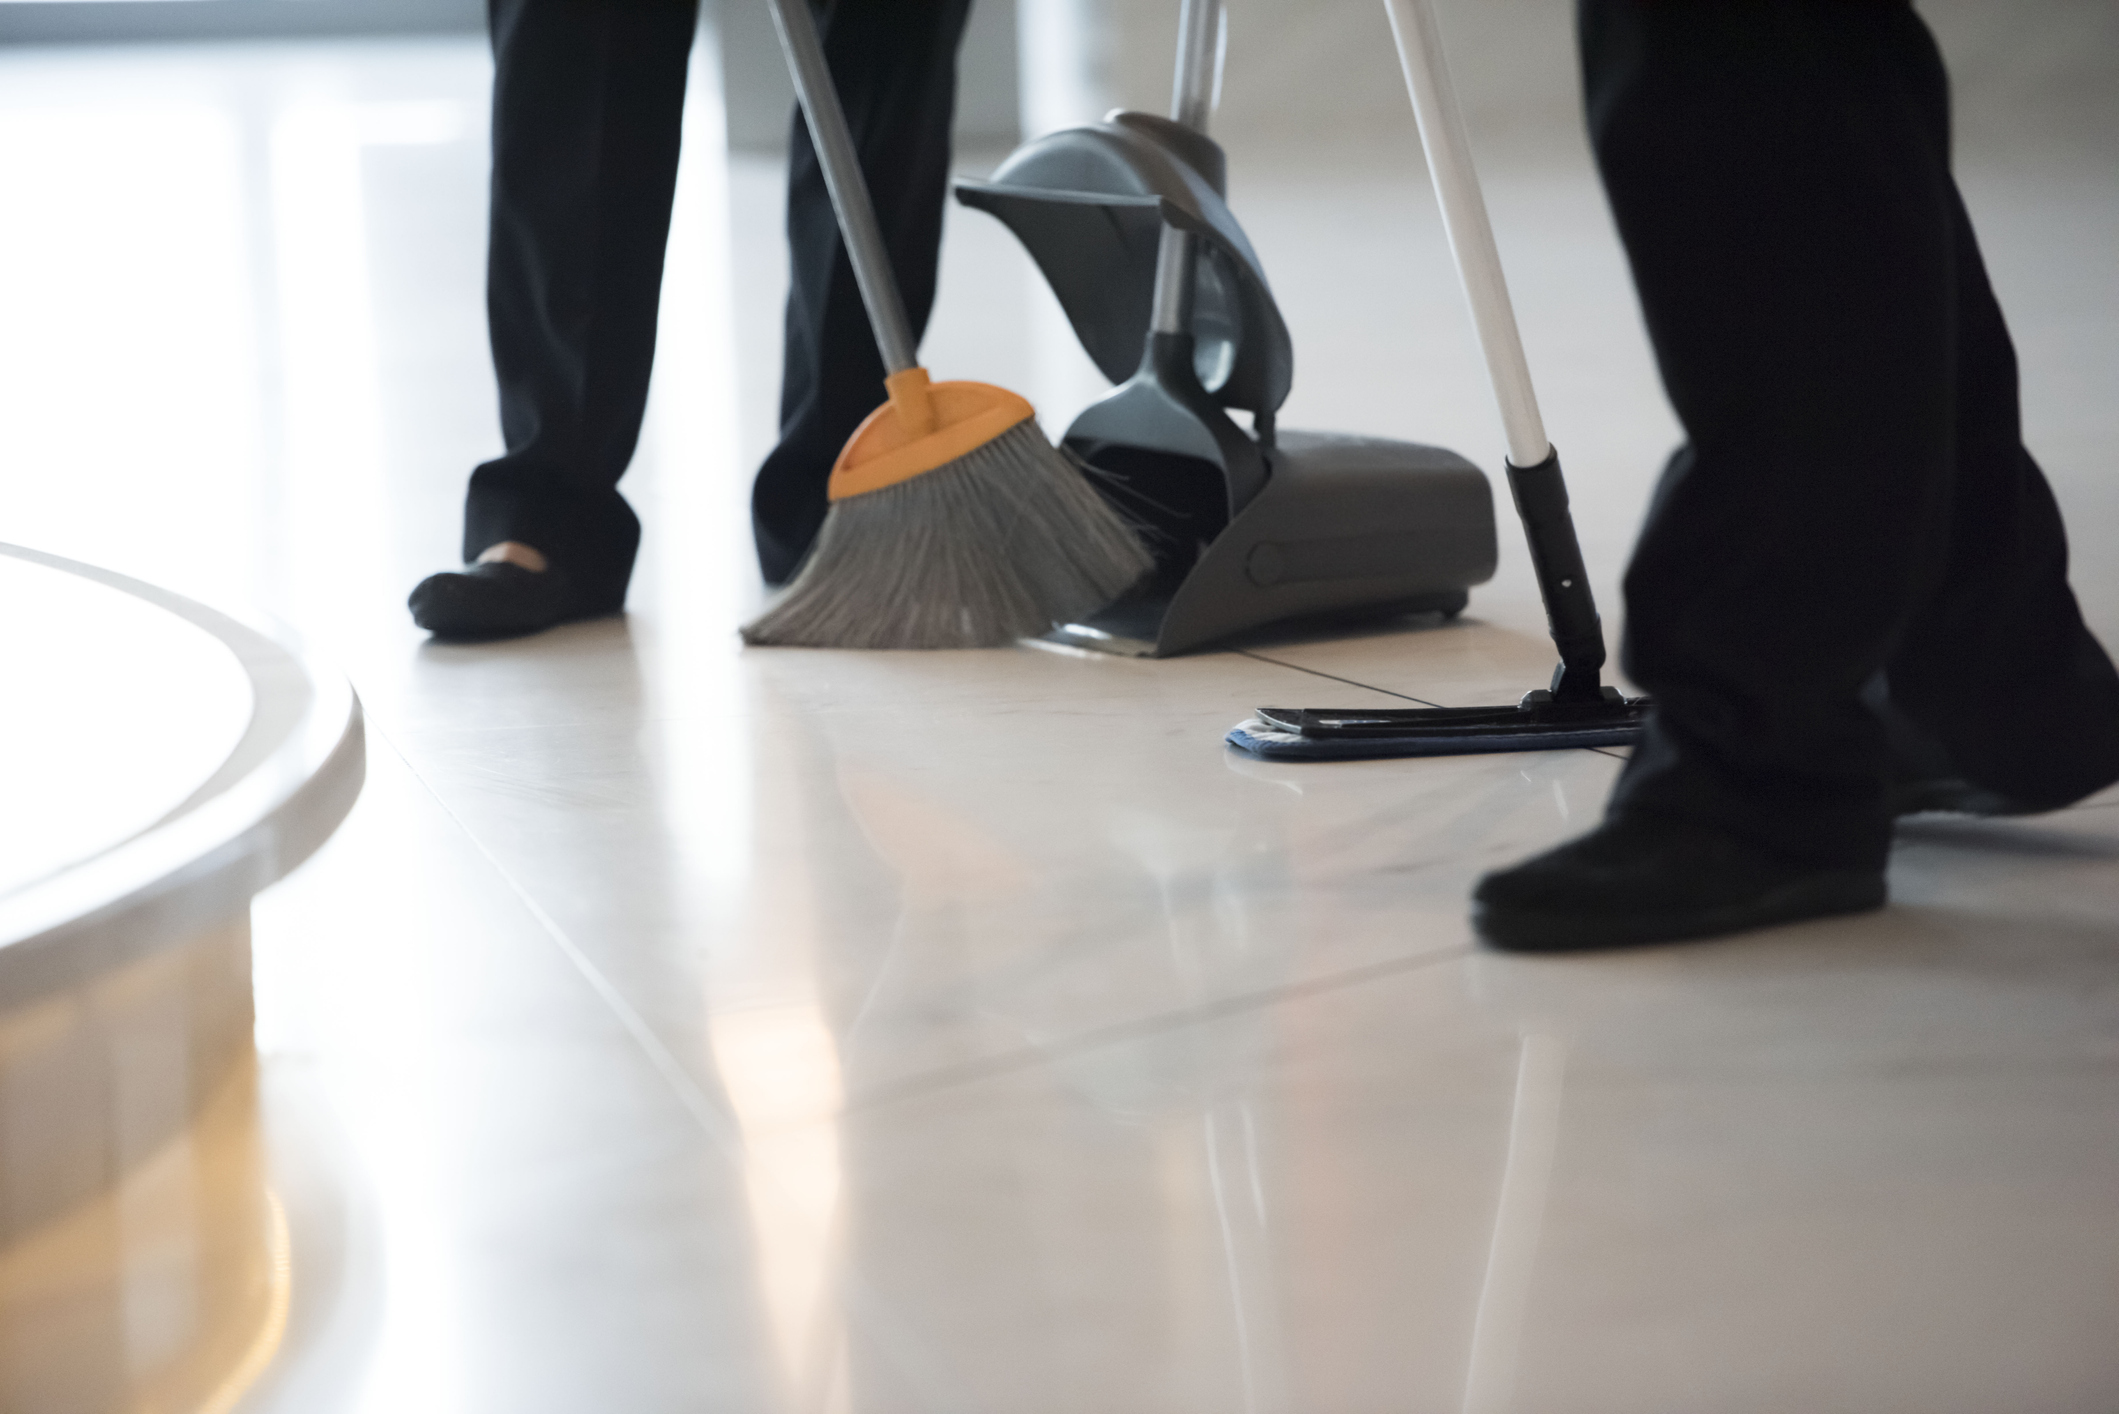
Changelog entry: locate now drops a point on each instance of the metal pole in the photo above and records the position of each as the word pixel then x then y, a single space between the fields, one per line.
pixel 842 177
pixel 1175 258
pixel 1471 235
pixel 1192 91
pixel 1534 479
pixel 1191 103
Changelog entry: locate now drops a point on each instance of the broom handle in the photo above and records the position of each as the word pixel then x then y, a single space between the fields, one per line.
pixel 842 178
pixel 1471 234
pixel 1534 479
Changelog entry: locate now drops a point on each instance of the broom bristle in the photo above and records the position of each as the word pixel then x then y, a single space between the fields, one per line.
pixel 999 544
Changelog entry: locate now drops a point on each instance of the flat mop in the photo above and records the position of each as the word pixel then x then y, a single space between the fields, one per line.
pixel 953 522
pixel 1575 710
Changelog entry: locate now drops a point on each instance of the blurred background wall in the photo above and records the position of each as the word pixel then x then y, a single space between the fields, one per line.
pixel 761 100
pixel 2032 68
pixel 2029 73
pixel 129 21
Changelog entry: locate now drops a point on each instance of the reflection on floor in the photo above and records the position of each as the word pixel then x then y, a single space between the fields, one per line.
pixel 675 1027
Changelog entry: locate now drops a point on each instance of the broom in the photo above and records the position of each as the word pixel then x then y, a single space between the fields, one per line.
pixel 953 522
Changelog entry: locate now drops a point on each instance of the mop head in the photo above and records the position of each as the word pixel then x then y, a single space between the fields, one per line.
pixel 1537 723
pixel 971 534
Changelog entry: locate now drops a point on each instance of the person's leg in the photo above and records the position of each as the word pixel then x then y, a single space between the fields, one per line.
pixel 1997 666
pixel 1779 174
pixel 587 107
pixel 894 62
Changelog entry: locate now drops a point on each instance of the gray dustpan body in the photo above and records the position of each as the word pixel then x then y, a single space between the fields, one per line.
pixel 1250 527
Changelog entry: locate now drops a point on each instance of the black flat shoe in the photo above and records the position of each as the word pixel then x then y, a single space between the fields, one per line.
pixel 1919 776
pixel 1951 795
pixel 1642 880
pixel 501 600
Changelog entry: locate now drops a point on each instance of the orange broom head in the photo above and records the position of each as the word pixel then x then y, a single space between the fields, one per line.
pixel 923 426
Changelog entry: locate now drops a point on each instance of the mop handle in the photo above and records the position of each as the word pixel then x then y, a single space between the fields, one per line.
pixel 1534 478
pixel 1471 235
pixel 842 178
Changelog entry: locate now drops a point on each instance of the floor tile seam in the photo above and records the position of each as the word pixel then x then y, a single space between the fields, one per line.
pixel 1334 677
pixel 416 729
pixel 718 1126
pixel 1117 708
pixel 972 1072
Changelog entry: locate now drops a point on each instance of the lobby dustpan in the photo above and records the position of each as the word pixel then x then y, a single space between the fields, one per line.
pixel 1576 709
pixel 1250 526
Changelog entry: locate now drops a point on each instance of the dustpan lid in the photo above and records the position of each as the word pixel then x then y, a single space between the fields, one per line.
pixel 1089 204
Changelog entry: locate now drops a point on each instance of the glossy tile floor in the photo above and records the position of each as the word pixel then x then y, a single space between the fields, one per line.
pixel 675 1027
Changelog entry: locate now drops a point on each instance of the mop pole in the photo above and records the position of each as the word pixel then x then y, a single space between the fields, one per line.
pixel 1534 479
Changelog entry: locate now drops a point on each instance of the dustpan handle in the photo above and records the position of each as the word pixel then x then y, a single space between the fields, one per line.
pixel 1191 103
pixel 842 178
pixel 1199 37
pixel 1471 234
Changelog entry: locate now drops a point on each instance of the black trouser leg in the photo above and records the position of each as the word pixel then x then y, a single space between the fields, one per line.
pixel 588 101
pixel 1997 662
pixel 1779 171
pixel 895 65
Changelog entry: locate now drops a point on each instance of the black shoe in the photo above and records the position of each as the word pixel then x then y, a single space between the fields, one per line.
pixel 1951 795
pixel 1638 879
pixel 502 600
pixel 1920 777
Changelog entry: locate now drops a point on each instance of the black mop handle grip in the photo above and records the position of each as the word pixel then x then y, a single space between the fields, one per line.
pixel 1540 494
